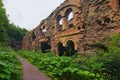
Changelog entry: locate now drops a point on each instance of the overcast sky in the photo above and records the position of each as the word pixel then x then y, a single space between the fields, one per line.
pixel 28 13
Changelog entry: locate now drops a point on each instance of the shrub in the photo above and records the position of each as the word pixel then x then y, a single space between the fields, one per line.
pixel 10 67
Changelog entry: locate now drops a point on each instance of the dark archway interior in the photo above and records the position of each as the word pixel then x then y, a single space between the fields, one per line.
pixel 70 50
pixel 68 12
pixel 45 46
pixel 33 36
pixel 60 49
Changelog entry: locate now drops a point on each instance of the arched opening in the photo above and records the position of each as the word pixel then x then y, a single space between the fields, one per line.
pixel 59 23
pixel 70 48
pixel 45 46
pixel 33 35
pixel 44 29
pixel 69 16
pixel 60 49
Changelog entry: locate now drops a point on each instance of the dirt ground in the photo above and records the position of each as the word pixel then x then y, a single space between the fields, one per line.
pixel 30 72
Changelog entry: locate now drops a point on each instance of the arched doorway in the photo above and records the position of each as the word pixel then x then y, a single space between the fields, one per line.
pixel 45 46
pixel 70 48
pixel 60 49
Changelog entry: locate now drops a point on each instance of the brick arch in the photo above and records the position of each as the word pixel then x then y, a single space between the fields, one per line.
pixel 59 16
pixel 67 11
pixel 63 13
pixel 62 8
pixel 68 39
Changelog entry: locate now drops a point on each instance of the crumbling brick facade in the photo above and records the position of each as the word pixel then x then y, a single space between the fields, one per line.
pixel 75 26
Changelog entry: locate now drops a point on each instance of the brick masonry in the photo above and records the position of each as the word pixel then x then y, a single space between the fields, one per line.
pixel 91 21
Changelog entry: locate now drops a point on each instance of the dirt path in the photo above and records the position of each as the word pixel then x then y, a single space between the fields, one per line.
pixel 31 72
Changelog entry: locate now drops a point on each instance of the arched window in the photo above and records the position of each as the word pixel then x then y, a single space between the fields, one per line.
pixel 59 22
pixel 44 29
pixel 69 16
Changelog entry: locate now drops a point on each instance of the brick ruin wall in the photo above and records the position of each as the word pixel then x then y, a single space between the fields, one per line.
pixel 91 20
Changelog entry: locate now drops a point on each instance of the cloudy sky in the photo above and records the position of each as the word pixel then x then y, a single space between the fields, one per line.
pixel 28 13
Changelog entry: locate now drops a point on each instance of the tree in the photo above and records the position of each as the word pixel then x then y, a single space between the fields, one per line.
pixel 9 33
pixel 3 21
pixel 3 35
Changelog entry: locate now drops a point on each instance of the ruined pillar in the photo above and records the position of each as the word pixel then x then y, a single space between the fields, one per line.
pixel 64 23
pixel 56 27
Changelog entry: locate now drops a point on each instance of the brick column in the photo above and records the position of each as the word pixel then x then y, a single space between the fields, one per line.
pixel 64 23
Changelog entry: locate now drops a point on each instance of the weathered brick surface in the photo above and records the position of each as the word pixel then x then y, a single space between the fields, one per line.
pixel 91 21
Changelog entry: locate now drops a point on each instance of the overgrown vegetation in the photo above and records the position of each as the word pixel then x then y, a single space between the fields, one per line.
pixel 60 68
pixel 103 65
pixel 10 67
pixel 95 66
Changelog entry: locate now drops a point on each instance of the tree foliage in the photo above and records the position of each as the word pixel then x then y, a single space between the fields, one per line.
pixel 16 33
pixel 8 31
pixel 3 24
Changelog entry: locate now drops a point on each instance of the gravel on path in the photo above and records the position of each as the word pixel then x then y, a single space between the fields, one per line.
pixel 30 72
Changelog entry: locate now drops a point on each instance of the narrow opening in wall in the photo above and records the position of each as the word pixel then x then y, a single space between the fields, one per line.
pixel 60 25
pixel 59 22
pixel 70 16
